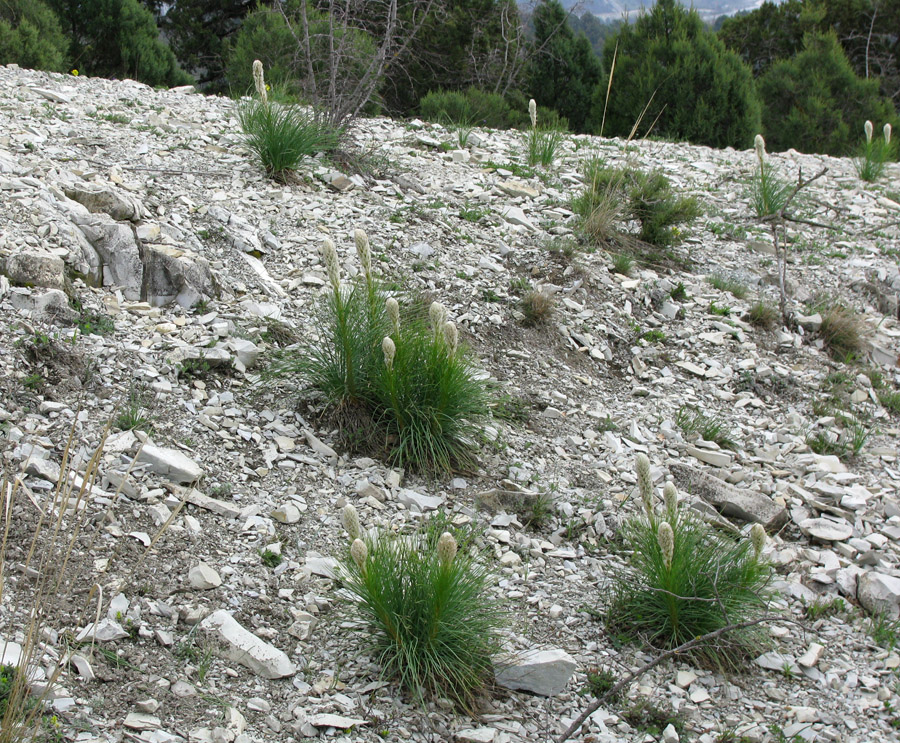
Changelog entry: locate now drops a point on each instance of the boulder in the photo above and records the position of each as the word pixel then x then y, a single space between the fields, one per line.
pixel 170 463
pixel 174 275
pixel 106 200
pixel 35 269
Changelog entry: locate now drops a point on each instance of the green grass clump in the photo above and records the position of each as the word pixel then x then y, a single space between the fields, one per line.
pixel 685 580
pixel 403 386
pixel 890 400
pixel 423 603
pixel 728 284
pixel 763 315
pixel 769 192
pixel 843 332
pixel 541 143
pixel 282 135
pixel 874 153
pixel 623 263
pixel 537 307
pixel 611 195
pixel 708 427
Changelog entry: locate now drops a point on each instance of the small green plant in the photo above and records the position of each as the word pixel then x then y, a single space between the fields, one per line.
pixel 623 263
pixel 769 193
pixel 763 315
pixel 874 153
pixel 685 580
pixel 679 293
pixel 537 307
pixel 728 284
pixel 708 427
pixel 653 719
pixel 270 558
pixel 842 331
pixel 885 632
pixel 512 408
pixel 281 135
pixel 715 309
pixel 824 608
pixel 538 511
pixel 890 400
pixel 541 143
pixel 423 602
pixel 90 322
pixel 33 381
pixel 134 414
pixel 599 681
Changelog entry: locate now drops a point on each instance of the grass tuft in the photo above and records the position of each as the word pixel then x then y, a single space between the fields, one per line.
pixel 763 315
pixel 728 284
pixel 843 331
pixel 537 307
pixel 706 581
pixel 282 135
pixel 708 427
pixel 428 614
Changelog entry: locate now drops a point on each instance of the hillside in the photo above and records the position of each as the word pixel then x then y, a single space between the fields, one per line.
pixel 610 10
pixel 189 268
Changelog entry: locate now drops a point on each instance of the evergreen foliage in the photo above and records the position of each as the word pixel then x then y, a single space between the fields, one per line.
pixel 118 38
pixel 814 102
pixel 565 70
pixel 31 36
pixel 696 89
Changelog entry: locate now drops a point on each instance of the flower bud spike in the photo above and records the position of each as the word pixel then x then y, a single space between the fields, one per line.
pixel 436 314
pixel 350 520
pixel 393 310
pixel 645 483
pixel 670 498
pixel 360 553
pixel 329 255
pixel 666 538
pixel 446 548
pixel 758 539
pixel 389 350
pixel 259 81
pixel 887 134
pixel 869 129
pixel 362 250
pixel 532 113
pixel 760 144
pixel 451 336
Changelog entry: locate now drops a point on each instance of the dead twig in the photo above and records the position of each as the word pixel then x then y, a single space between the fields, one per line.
pixel 683 648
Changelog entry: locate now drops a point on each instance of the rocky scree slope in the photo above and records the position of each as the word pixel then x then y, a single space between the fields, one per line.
pixel 149 267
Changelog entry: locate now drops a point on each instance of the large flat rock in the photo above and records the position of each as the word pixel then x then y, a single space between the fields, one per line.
pixel 242 646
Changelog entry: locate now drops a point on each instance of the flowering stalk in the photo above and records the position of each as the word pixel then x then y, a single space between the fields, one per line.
pixel 869 129
pixel 350 520
pixel 362 250
pixel 758 539
pixel 645 483
pixel 389 349
pixel 670 498
pixel 259 81
pixel 446 549
pixel 393 310
pixel 329 255
pixel 532 113
pixel 360 553
pixel 666 538
pixel 451 336
pixel 436 314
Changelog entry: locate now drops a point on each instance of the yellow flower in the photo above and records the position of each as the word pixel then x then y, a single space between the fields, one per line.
pixel 75 72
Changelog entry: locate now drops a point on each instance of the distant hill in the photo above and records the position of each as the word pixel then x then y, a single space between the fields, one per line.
pixel 609 10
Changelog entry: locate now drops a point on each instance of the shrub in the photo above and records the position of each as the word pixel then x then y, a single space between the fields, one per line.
pixel 685 580
pixel 875 152
pixel 813 101
pixel 469 107
pixel 397 382
pixel 647 197
pixel 31 36
pixel 424 605
pixel 680 76
pixel 537 307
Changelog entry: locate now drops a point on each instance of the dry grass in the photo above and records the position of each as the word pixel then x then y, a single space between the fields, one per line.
pixel 843 331
pixel 537 307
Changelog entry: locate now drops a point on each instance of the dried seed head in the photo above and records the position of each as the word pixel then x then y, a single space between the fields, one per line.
pixel 436 314
pixel 670 498
pixel 451 336
pixel 389 350
pixel 350 520
pixel 446 548
pixel 359 552
pixel 887 133
pixel 760 144
pixel 666 538
pixel 758 538
pixel 259 81
pixel 532 113
pixel 869 130
pixel 645 482
pixel 329 255
pixel 393 310
pixel 362 250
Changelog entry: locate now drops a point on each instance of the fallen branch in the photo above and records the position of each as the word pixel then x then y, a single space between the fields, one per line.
pixel 683 648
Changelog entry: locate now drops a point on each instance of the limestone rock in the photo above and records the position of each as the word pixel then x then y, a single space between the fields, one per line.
pixel 30 268
pixel 542 672
pixel 203 577
pixel 242 646
pixel 747 505
pixel 170 463
pixel 97 198
pixel 879 593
